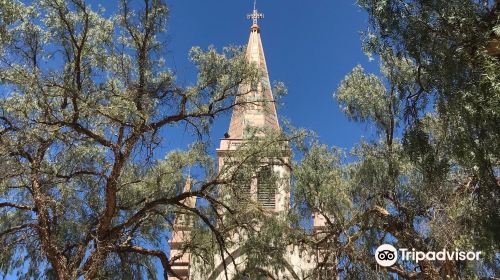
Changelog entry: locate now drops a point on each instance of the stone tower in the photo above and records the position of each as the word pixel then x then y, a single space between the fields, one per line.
pixel 259 115
pixel 262 115
pixel 181 231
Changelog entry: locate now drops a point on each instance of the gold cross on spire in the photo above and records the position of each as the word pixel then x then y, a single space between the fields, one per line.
pixel 255 15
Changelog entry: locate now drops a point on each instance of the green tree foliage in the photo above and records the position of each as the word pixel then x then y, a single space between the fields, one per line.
pixel 390 192
pixel 457 74
pixel 85 100
pixel 434 187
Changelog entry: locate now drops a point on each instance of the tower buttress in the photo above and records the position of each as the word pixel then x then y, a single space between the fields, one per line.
pixel 181 234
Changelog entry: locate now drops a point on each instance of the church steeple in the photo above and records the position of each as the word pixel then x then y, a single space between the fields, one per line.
pixel 262 112
pixel 269 180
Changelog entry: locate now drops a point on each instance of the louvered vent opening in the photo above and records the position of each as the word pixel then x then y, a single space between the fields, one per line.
pixel 266 192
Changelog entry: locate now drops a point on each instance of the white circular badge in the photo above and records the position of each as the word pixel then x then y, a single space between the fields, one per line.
pixel 386 255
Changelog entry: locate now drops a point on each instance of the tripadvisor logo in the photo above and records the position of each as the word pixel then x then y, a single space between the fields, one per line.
pixel 387 255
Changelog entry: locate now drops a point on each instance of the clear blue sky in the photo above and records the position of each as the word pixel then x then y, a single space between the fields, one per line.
pixel 309 45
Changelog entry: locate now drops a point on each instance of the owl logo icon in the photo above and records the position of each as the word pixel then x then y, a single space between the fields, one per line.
pixel 386 255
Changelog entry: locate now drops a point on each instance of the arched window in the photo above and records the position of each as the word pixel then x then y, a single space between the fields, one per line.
pixel 266 190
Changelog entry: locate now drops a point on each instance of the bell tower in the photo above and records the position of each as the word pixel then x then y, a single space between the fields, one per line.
pixel 254 109
pixel 258 112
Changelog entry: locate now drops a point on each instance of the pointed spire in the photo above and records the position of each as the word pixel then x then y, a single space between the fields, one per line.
pixel 190 201
pixel 187 184
pixel 262 115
